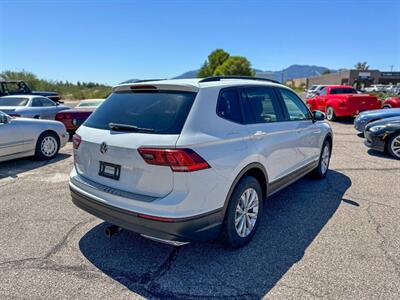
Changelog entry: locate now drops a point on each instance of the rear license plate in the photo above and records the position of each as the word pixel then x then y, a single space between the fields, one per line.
pixel 109 170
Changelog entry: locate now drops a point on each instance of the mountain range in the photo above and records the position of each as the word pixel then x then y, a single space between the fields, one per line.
pixel 291 72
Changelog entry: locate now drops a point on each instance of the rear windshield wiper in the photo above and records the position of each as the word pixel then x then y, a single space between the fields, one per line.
pixel 127 127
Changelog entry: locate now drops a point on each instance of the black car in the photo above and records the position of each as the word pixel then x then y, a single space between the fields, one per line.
pixel 19 87
pixel 384 135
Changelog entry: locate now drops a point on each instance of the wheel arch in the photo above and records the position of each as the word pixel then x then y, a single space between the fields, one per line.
pixel 256 170
pixel 49 131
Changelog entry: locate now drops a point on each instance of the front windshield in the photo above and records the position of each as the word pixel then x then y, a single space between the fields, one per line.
pixel 14 101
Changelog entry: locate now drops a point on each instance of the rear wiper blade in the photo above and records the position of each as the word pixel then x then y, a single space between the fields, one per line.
pixel 127 127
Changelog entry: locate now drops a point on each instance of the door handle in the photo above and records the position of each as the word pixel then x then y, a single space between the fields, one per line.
pixel 259 134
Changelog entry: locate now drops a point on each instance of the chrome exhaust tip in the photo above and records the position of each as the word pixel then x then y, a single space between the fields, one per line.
pixel 168 242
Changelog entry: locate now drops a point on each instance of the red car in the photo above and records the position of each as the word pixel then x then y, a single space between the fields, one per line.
pixel 342 101
pixel 392 102
pixel 73 118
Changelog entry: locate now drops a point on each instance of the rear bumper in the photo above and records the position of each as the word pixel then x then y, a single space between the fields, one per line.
pixel 196 228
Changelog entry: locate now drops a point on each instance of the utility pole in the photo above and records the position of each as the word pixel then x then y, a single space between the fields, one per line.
pixel 391 68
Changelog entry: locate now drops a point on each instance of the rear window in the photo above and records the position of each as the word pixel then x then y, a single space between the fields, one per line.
pixel 13 101
pixel 89 104
pixel 343 91
pixel 162 112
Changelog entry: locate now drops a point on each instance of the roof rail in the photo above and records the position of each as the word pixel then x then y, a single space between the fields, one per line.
pixel 218 78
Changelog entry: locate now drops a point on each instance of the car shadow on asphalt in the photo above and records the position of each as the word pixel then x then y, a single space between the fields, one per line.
pixel 291 221
pixel 345 120
pixel 14 167
pixel 380 154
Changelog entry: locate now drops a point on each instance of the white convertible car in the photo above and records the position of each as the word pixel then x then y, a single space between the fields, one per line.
pixel 20 137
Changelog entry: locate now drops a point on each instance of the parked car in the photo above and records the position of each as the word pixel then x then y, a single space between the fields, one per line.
pixel 21 137
pixel 364 118
pixel 313 90
pixel 19 87
pixel 375 88
pixel 391 102
pixel 29 106
pixel 73 118
pixel 342 101
pixel 384 135
pixel 180 160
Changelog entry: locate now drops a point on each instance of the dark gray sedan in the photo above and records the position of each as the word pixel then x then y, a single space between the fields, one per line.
pixel 373 115
pixel 30 106
pixel 384 135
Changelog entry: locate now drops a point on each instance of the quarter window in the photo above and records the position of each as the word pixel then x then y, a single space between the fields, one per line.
pixel 228 106
pixel 296 108
pixel 263 104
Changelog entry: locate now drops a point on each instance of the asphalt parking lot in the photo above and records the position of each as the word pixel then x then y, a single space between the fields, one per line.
pixel 335 238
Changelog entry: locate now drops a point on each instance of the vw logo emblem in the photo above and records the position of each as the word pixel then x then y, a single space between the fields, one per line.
pixel 103 147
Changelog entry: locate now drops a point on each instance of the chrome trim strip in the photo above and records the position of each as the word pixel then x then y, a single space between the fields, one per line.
pixel 83 182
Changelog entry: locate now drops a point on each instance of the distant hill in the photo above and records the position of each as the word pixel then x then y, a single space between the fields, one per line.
pixel 291 72
pixel 188 74
pixel 298 71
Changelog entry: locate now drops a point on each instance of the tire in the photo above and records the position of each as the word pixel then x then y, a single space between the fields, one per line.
pixel 236 232
pixel 323 165
pixel 386 107
pixel 393 145
pixel 47 146
pixel 330 114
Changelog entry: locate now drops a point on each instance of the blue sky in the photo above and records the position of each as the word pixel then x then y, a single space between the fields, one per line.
pixel 111 41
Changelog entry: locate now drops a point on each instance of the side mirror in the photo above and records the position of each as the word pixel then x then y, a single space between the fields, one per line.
pixel 4 119
pixel 318 115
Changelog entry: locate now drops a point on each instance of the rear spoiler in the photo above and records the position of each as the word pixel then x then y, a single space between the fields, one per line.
pixel 156 85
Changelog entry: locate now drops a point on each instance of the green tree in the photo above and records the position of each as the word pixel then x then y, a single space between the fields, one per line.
pixel 235 65
pixel 363 66
pixel 326 72
pixel 215 59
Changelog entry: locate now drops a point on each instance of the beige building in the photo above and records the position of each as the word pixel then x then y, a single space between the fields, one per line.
pixel 356 78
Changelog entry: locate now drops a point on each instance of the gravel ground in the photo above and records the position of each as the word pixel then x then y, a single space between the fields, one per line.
pixel 335 238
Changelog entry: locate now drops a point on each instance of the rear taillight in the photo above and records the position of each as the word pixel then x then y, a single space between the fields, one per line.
pixel 76 141
pixel 179 160
pixel 59 117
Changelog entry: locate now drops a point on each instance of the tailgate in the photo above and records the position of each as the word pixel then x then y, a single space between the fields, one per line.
pixel 362 102
pixel 118 152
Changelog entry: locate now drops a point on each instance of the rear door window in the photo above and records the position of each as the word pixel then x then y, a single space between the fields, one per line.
pixel 158 112
pixel 36 102
pixel 47 102
pixel 263 104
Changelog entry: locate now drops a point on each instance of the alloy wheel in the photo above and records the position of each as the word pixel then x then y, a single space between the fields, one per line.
pixel 246 212
pixel 395 146
pixel 325 158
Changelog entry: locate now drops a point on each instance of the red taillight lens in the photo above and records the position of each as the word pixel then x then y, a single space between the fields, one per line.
pixel 76 141
pixel 59 117
pixel 179 160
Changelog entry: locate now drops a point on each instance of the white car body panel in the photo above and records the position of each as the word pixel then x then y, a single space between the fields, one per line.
pixel 281 147
pixel 18 138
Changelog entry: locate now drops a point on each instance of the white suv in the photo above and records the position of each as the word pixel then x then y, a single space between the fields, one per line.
pixel 184 160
